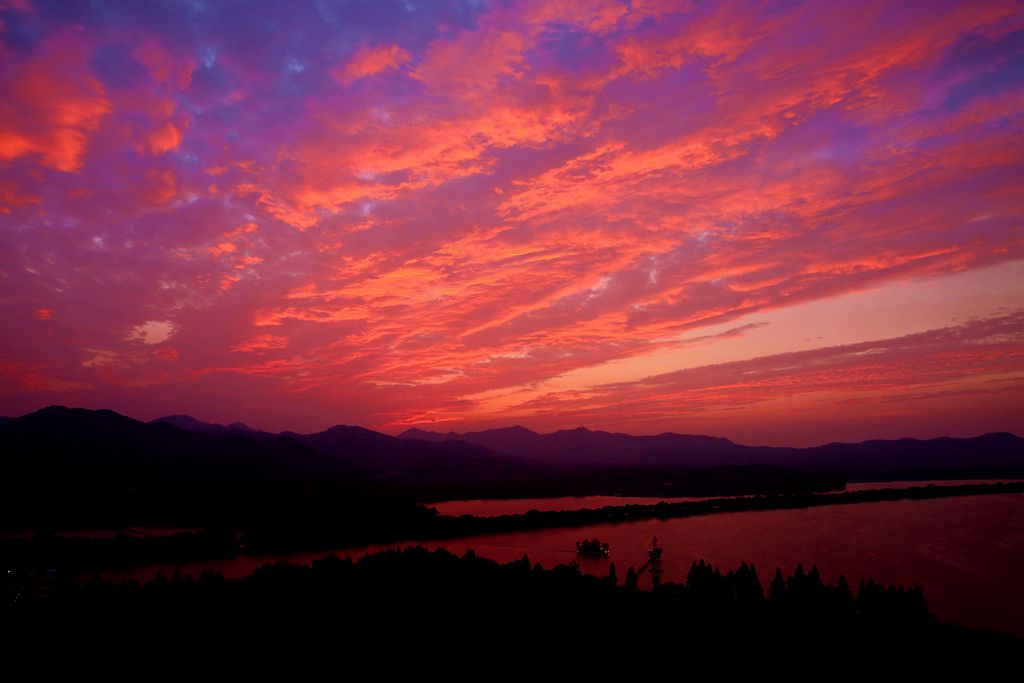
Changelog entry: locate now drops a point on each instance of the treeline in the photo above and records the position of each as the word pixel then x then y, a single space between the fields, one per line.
pixel 455 607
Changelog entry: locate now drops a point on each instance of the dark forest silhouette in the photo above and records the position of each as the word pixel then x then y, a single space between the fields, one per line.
pixel 418 598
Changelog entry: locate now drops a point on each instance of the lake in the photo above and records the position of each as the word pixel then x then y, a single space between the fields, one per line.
pixel 966 553
pixel 519 506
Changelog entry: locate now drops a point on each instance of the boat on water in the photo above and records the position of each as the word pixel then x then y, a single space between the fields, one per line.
pixel 592 548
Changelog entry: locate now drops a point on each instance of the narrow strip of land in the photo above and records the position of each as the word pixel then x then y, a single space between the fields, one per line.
pixel 468 525
pixel 327 535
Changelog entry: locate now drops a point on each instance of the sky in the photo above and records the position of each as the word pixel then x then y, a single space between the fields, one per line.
pixel 779 222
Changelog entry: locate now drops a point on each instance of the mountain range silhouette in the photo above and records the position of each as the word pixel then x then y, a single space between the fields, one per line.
pixel 89 465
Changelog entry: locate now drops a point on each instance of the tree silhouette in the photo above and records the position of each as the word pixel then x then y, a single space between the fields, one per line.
pixel 631 581
pixel 778 587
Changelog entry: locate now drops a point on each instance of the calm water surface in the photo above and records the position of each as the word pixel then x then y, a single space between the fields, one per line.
pixel 519 506
pixel 966 553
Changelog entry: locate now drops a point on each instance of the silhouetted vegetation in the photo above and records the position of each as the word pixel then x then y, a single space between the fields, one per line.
pixel 435 601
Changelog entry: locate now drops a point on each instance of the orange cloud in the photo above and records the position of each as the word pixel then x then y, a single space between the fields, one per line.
pixel 223 248
pixel 370 60
pixel 261 342
pixel 12 197
pixel 165 138
pixel 52 105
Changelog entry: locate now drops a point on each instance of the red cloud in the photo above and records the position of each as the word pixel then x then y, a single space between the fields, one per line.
pixel 368 61
pixel 165 138
pixel 52 104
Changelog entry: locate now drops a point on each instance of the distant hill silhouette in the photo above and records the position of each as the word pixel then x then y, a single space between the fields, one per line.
pixel 582 446
pixel 59 452
pixel 55 441
pixel 383 457
pixel 996 454
pixel 517 451
pixel 69 467
pixel 95 467
pixel 407 461
pixel 441 468
pixel 191 424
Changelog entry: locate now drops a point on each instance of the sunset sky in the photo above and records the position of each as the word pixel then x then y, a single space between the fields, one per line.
pixel 778 222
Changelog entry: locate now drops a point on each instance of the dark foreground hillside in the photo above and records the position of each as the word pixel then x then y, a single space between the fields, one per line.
pixel 456 610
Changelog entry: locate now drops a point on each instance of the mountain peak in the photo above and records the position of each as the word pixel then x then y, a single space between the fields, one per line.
pixel 348 429
pixel 514 429
pixel 182 420
pixel 416 432
pixel 190 424
pixel 581 430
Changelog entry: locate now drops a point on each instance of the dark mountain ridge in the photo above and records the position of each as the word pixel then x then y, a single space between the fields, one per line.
pixel 410 461
pixel 994 454
pixel 77 468
pixel 99 468
pixel 378 455
pixel 191 424
pixel 70 466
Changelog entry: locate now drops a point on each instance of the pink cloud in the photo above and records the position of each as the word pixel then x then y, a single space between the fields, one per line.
pixel 261 342
pixel 164 139
pixel 53 105
pixel 368 61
